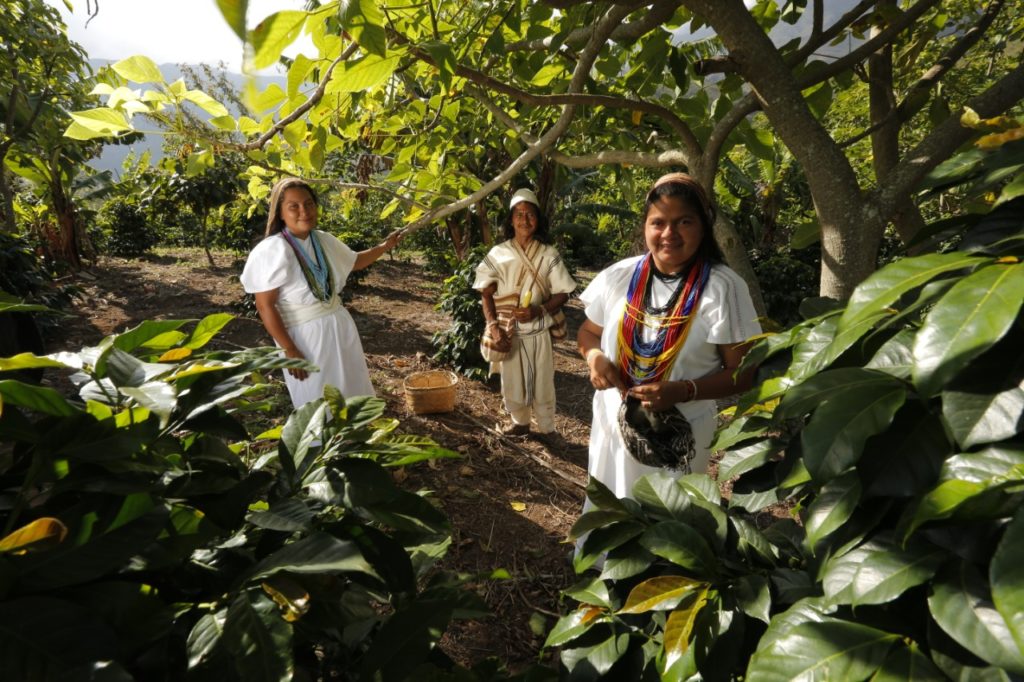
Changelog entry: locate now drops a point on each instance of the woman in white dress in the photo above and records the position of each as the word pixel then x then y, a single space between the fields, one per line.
pixel 663 337
pixel 297 273
pixel 523 284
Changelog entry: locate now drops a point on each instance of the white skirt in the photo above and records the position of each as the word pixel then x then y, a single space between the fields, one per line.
pixel 331 343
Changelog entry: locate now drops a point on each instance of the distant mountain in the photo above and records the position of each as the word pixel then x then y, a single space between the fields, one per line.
pixel 113 156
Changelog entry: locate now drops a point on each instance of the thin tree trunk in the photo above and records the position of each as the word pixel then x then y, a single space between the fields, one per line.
pixel 485 222
pixel 206 242
pixel 9 224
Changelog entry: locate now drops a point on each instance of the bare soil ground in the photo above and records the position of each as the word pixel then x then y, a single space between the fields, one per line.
pixel 511 501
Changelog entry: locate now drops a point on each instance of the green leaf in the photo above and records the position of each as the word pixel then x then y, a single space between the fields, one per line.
pixel 316 553
pixel 960 603
pixel 682 545
pixel 145 333
pixel 807 610
pixel 834 438
pixel 28 361
pixel 365 22
pixel 596 519
pixel 754 597
pixel 590 591
pixel 139 69
pixel 1006 575
pixel 259 639
pixel 205 636
pixel 600 657
pixel 38 398
pixel 833 507
pixel 662 593
pixel 272 35
pixel 895 356
pixel 101 121
pixel 207 329
pixel 288 515
pixel 978 418
pixel 206 103
pixel 405 641
pixel 233 12
pixel 604 540
pixel 966 477
pixel 741 460
pixel 879 571
pixel 828 650
pixel 884 287
pixel 626 561
pixel 158 397
pixel 831 383
pixel 574 624
pixel 967 321
pixel 363 74
pixel 661 496
pixel 603 498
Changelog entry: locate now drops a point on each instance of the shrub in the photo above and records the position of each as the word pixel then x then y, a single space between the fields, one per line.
pixel 125 229
pixel 140 543
pixel 894 435
pixel 459 345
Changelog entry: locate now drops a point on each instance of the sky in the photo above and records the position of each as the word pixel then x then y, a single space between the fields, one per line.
pixel 187 31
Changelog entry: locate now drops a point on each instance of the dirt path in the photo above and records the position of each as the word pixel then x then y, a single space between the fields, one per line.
pixel 394 310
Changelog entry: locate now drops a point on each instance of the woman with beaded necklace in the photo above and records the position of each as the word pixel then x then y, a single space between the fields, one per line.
pixel 297 273
pixel 663 337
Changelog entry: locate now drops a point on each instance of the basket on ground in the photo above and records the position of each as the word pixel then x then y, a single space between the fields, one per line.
pixel 431 392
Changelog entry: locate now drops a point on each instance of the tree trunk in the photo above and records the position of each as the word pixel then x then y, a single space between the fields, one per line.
pixel 7 194
pixel 67 224
pixel 202 232
pixel 455 232
pixel 850 233
pixel 486 236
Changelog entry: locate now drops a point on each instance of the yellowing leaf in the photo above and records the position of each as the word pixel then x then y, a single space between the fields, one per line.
pixel 637 115
pixel 175 354
pixel 140 69
pixel 518 506
pixel 291 597
pixel 663 593
pixel 678 628
pixel 40 534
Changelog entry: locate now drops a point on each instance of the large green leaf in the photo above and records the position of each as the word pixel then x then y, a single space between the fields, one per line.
pixel 1006 575
pixel 905 460
pixel 604 540
pixel 661 496
pixel 595 519
pixel 880 290
pixel 961 604
pixel 205 636
pixel 831 383
pixel 895 356
pixel 975 314
pixel 626 560
pixel 28 361
pixel 965 478
pixel 835 436
pixel 365 22
pixel 207 329
pixel 363 74
pixel 590 590
pixel 833 507
pixel 754 597
pixel 317 553
pixel 806 610
pixel 600 657
pixel 140 69
pixel 38 398
pixel 574 624
pixel 272 35
pixel 259 639
pixel 405 641
pixel 146 331
pixel 738 461
pixel 287 515
pixel 233 12
pixel 879 571
pixel 982 417
pixel 828 650
pixel 682 545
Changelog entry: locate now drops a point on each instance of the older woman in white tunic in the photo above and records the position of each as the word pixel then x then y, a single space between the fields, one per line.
pixel 526 276
pixel 297 273
pixel 665 331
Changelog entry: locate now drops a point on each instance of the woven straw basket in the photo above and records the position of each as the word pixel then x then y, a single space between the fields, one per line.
pixel 431 392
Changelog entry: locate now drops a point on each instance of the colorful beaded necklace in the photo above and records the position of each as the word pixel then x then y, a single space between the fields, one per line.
pixel 318 272
pixel 645 362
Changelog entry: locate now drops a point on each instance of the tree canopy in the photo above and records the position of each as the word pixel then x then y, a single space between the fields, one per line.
pixel 459 99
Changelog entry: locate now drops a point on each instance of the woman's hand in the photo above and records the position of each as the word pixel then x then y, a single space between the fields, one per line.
pixel 603 372
pixel 661 395
pixel 527 313
pixel 296 372
pixel 391 241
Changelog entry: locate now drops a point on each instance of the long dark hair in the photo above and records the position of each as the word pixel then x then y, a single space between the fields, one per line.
pixel 686 188
pixel 274 222
pixel 540 234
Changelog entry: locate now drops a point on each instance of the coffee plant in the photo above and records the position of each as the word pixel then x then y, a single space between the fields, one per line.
pixel 458 346
pixel 146 536
pixel 875 526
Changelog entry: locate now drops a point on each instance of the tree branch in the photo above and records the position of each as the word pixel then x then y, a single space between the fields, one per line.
pixel 625 33
pixel 944 140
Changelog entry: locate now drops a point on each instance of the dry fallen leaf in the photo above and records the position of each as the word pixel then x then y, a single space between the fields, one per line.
pixel 518 506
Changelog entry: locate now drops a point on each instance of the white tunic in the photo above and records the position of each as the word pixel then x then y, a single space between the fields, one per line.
pixel 725 316
pixel 323 332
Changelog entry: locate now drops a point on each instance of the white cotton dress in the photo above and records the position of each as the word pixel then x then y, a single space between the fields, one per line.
pixel 725 315
pixel 324 332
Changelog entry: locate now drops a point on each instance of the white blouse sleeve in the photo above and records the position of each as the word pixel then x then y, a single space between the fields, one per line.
pixel 341 257
pixel 594 298
pixel 559 279
pixel 486 273
pixel 730 313
pixel 266 268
